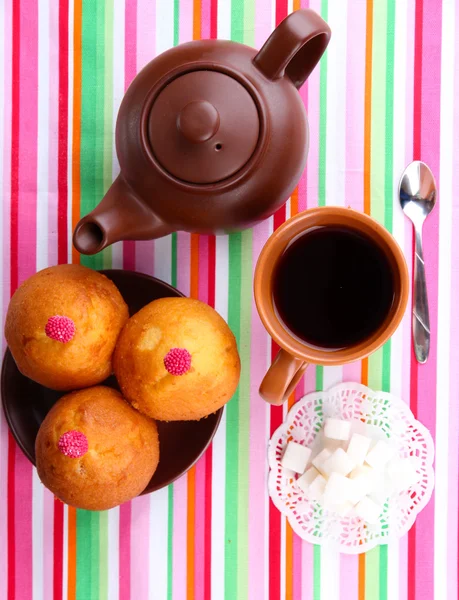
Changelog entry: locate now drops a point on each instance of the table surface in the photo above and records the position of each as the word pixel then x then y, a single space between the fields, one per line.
pixel 386 92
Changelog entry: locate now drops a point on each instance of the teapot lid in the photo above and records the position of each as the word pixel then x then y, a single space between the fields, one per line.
pixel 203 127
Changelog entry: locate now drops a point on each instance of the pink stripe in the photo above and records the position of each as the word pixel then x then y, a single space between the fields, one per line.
pixel 297 572
pixel 130 70
pixel 140 547
pixel 205 19
pixel 145 30
pixel 203 265
pixel 28 119
pixel 186 21
pixel 145 257
pixel 200 472
pixel 3 506
pixel 349 577
pixel 183 254
pixel 124 568
pixel 5 131
pixel 199 528
pixel 352 371
pixel 259 411
pixel 130 59
pixel 427 376
pixel 179 540
pixel 403 568
pixel 355 104
pixel 307 570
pixel 453 434
pixel 312 166
pixel 408 245
pixel 53 131
pixel 23 526
pixel 48 543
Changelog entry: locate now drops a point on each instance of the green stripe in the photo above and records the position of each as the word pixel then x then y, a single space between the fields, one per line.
pixel 232 427
pixel 316 570
pixel 176 22
pixel 87 555
pixel 237 20
pixel 92 114
pixel 103 556
pixel 244 416
pixel 383 572
pixel 170 491
pixel 109 124
pixel 389 154
pixel 372 574
pixel 170 530
pixel 235 517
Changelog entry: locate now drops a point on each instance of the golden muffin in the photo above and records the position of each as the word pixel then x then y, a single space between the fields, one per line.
pixel 177 360
pixel 94 451
pixel 62 325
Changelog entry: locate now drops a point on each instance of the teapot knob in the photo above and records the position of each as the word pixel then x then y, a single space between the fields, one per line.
pixel 198 121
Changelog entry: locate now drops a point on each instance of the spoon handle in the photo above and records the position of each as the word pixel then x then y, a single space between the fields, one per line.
pixel 421 321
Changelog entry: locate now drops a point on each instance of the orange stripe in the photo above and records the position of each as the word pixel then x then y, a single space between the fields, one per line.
pixel 190 534
pixel 288 562
pixel 294 202
pixel 361 595
pixel 365 371
pixel 196 19
pixel 71 577
pixel 76 120
pixel 366 199
pixel 367 118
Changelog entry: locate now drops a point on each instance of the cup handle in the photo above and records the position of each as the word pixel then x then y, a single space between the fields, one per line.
pixel 282 378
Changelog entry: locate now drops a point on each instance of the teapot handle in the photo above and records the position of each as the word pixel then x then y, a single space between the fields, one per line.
pixel 294 47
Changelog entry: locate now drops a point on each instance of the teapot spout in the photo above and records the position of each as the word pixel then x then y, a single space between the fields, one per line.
pixel 121 215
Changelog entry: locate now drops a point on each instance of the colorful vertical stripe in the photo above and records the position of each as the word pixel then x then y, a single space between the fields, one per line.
pixel 385 94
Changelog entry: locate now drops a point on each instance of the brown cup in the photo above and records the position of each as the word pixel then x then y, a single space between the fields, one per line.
pixel 295 355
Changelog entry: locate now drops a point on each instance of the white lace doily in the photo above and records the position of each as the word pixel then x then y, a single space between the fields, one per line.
pixel 380 415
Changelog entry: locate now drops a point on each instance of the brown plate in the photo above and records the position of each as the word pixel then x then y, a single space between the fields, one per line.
pixel 26 403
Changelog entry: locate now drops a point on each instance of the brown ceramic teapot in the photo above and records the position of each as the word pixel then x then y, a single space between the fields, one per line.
pixel 211 137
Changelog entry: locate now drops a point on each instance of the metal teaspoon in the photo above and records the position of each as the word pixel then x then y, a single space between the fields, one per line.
pixel 418 194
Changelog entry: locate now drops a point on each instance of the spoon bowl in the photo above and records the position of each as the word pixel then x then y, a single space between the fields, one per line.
pixel 418 192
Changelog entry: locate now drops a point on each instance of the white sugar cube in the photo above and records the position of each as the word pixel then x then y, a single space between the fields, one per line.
pixel 307 478
pixel 336 491
pixel 379 455
pixel 358 448
pixel 402 474
pixel 338 462
pixel 343 509
pixel 363 471
pixel 319 460
pixel 296 457
pixel 368 510
pixel 358 489
pixel 317 488
pixel 337 429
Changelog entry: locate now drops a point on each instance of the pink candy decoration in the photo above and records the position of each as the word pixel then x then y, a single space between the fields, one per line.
pixel 177 361
pixel 61 329
pixel 73 444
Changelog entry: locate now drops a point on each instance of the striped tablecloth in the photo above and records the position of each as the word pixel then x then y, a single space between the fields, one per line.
pixel 386 92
